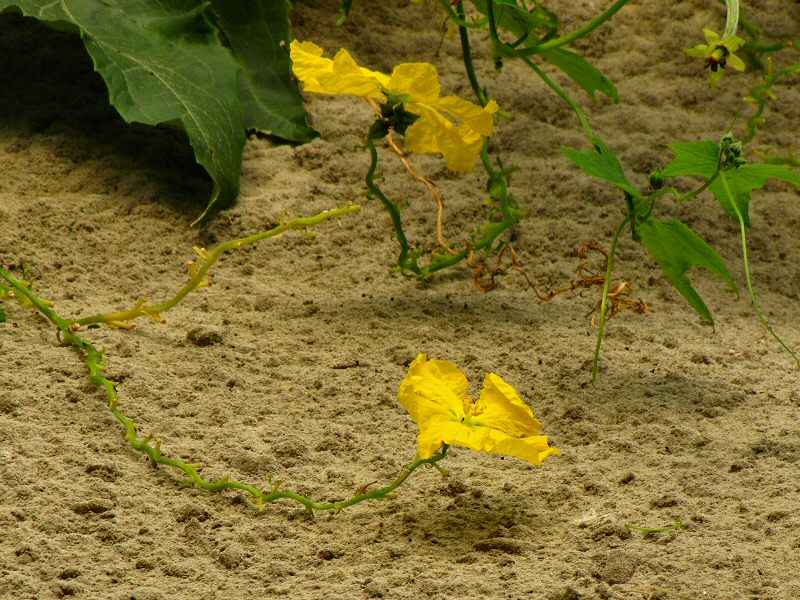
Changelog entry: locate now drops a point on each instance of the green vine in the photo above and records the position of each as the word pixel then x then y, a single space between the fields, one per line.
pixel 95 361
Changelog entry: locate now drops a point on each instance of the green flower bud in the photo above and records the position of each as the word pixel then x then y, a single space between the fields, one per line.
pixel 656 179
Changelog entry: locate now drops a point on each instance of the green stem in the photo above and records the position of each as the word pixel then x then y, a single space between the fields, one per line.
pixel 407 260
pixel 207 260
pixel 466 52
pixel 96 365
pixel 564 96
pixel 681 198
pixel 604 301
pixel 507 49
pixel 745 259
pixel 761 94
pixel 404 261
pixel 583 31
pixel 732 20
pixel 458 17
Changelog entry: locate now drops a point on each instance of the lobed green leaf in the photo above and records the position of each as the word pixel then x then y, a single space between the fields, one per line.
pixel 676 249
pixel 166 63
pixel 258 32
pixel 692 158
pixel 732 186
pixel 603 163
pixel 586 75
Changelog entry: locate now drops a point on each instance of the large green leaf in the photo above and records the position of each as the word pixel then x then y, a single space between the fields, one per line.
pixel 603 163
pixel 164 62
pixel 676 249
pixel 733 185
pixel 581 72
pixel 258 31
pixel 161 63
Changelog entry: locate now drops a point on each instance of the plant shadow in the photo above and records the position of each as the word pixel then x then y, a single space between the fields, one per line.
pixel 51 90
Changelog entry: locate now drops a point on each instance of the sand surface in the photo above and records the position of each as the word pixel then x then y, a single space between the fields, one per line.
pixel 313 334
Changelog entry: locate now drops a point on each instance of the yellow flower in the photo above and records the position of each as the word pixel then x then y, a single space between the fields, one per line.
pixel 435 395
pixel 718 53
pixel 446 125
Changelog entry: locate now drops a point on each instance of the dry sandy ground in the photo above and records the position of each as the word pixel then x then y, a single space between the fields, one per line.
pixel 686 424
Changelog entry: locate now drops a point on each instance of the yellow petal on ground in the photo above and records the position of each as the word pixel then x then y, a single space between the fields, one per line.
pixel 532 449
pixel 434 394
pixel 500 407
pixel 433 433
pixel 415 82
pixel 433 388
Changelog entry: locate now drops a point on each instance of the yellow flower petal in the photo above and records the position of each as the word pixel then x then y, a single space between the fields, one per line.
pixel 342 75
pixel 307 62
pixel 416 82
pixel 449 126
pixel 500 407
pixel 435 387
pixel 733 43
pixel 736 62
pixel 699 51
pixel 434 394
pixel 433 133
pixel 432 434
pixel 712 37
pixel 533 449
pixel 478 119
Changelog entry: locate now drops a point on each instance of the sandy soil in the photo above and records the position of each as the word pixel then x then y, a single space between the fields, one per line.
pixel 315 332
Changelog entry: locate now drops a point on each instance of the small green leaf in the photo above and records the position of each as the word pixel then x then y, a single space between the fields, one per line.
pixel 258 32
pixel 524 24
pixel 581 72
pixel 2 316
pixel 344 9
pixel 733 186
pixel 692 158
pixel 676 249
pixel 603 163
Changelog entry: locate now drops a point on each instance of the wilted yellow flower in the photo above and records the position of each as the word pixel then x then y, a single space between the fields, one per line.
pixel 718 53
pixel 446 125
pixel 435 395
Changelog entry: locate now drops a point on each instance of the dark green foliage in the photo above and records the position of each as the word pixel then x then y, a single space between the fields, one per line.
pixel 169 62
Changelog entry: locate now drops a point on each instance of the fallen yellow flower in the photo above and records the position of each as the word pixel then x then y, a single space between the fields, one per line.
pixel 435 395
pixel 448 125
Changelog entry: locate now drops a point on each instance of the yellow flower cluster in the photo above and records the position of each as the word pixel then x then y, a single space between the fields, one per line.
pixel 446 125
pixel 435 395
